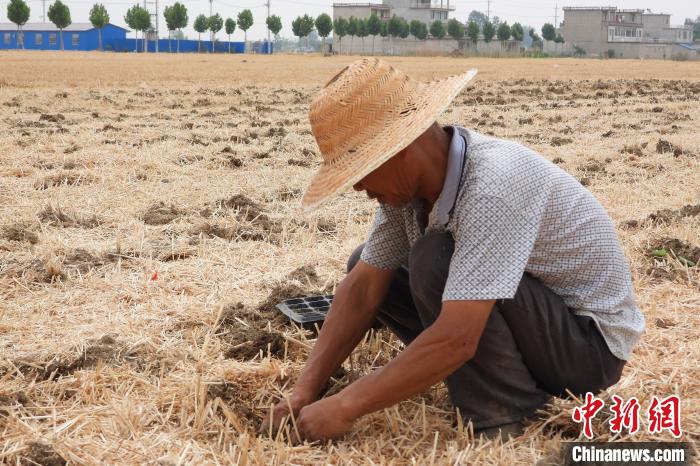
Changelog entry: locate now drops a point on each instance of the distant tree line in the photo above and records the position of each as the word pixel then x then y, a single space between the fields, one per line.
pixel 477 27
pixel 139 20
pixel 176 18
pixel 373 26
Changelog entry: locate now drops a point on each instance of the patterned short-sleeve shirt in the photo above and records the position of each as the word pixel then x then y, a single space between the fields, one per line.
pixel 517 212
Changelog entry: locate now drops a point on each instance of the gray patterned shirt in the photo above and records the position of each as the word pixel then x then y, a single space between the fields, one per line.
pixel 517 212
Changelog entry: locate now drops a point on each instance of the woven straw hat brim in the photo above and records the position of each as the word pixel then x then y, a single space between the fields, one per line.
pixel 432 98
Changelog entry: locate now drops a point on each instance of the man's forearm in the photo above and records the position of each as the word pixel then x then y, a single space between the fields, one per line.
pixel 351 315
pixel 430 358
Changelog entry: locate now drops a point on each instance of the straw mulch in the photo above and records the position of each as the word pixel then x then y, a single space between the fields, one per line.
pixel 148 230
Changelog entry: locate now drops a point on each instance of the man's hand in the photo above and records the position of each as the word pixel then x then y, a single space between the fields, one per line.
pixel 355 306
pixel 280 413
pixel 324 420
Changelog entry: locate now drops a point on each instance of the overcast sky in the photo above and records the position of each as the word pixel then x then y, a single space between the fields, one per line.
pixel 533 13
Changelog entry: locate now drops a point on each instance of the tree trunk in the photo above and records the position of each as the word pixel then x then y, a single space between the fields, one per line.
pixel 178 40
pixel 199 43
pixel 229 43
pixel 245 40
pixel 100 39
pixel 61 34
pixel 17 39
pixel 373 37
pixel 145 43
pixel 350 51
pixel 136 41
pixel 170 41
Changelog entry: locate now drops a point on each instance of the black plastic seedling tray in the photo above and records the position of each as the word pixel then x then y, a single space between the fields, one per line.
pixel 306 309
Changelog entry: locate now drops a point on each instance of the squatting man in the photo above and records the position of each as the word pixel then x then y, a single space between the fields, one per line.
pixel 500 272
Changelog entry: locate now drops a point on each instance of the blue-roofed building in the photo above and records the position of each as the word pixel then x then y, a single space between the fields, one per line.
pixel 45 36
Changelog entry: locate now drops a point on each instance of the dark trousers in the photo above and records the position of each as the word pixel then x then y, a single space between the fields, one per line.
pixel 532 347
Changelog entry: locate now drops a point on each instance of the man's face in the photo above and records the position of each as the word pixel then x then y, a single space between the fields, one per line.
pixel 391 183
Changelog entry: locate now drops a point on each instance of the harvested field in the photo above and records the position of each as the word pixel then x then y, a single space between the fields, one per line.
pixel 149 224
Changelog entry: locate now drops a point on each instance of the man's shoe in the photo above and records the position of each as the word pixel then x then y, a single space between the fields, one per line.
pixel 505 431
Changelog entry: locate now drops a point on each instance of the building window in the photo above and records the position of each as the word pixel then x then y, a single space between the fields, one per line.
pixel 52 38
pixel 75 39
pixel 38 39
pixel 7 37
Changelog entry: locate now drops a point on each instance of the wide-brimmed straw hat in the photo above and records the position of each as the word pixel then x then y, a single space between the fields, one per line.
pixel 365 115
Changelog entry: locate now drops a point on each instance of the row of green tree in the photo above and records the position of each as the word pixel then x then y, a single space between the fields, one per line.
pixel 398 27
pixel 139 19
pixel 177 18
pixel 59 14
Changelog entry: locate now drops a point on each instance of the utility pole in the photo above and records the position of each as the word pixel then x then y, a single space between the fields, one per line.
pixel 268 15
pixel 556 16
pixel 43 4
pixel 152 7
pixel 211 13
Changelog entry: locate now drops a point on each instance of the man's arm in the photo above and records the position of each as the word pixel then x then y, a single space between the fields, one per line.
pixel 354 309
pixel 436 353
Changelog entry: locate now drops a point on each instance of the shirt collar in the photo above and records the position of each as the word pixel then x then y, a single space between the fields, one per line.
pixel 455 164
pixel 440 214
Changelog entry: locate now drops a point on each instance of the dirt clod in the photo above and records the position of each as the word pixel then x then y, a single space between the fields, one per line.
pixel 670 258
pixel 9 400
pixel 680 249
pixel 64 179
pixel 105 349
pixel 663 146
pixel 246 343
pixel 57 118
pixel 161 214
pixel 287 194
pixel 239 398
pixel 21 231
pixel 82 260
pixel 593 166
pixel 305 273
pixel 299 163
pixel 559 141
pixel 59 217
pixel 246 210
pixel 42 454
pixel 667 216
